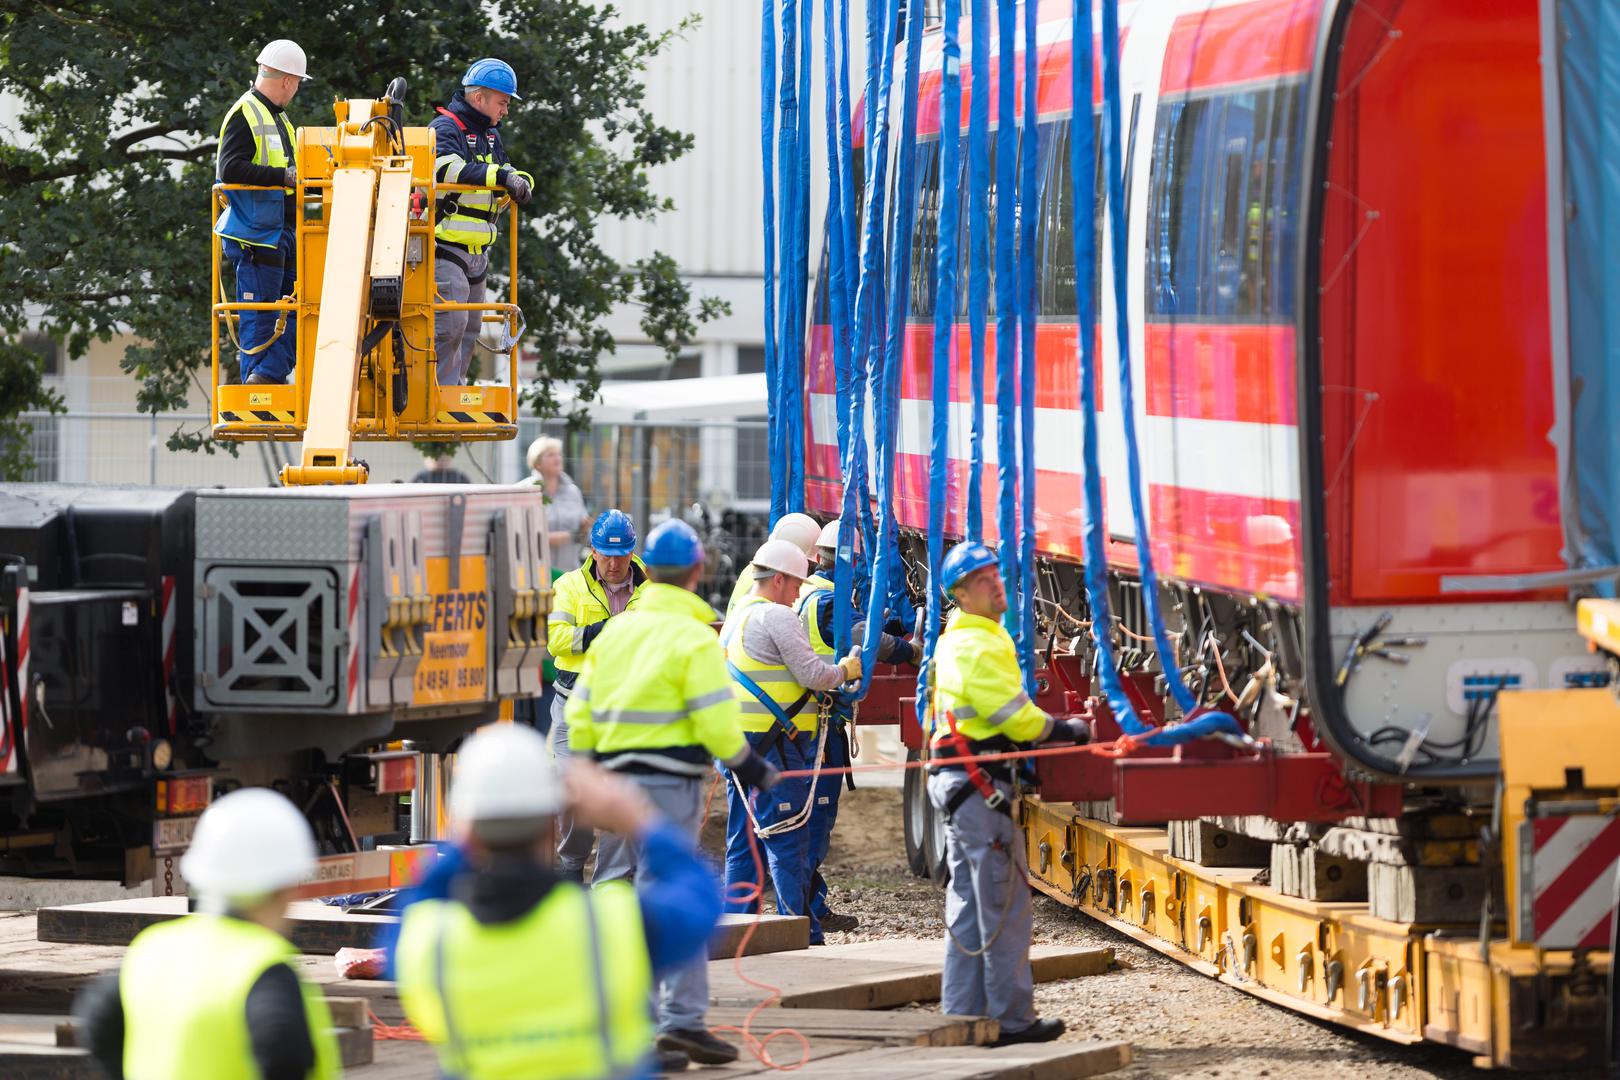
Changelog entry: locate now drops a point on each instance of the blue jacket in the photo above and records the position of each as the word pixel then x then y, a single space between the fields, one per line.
pixel 479 137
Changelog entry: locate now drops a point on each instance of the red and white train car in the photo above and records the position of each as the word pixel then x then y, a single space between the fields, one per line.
pixel 1338 306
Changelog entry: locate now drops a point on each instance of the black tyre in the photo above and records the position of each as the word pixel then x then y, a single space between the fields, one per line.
pixel 917 814
pixel 939 871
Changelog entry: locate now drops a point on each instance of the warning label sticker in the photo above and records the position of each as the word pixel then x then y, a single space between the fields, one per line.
pixel 455 650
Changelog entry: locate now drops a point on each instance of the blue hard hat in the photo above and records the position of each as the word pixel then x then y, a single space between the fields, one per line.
pixel 613 533
pixel 673 544
pixel 493 74
pixel 963 560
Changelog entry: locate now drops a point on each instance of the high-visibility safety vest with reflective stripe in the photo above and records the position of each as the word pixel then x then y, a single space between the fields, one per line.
pixel 184 988
pixel 655 680
pixel 472 221
pixel 257 217
pixel 557 994
pixel 775 680
pixel 578 602
pixel 812 594
pixel 977 680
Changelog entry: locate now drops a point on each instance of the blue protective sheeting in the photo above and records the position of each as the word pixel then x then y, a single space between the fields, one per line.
pixel 978 254
pixel 1029 210
pixel 950 212
pixel 886 570
pixel 1589 86
pixel 1007 307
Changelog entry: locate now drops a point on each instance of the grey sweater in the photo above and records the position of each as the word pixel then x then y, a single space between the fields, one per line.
pixel 774 634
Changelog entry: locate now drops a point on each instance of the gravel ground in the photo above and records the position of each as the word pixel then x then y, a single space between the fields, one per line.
pixel 1181 1023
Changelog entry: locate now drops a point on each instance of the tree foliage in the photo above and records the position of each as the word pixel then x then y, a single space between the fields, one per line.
pixel 104 186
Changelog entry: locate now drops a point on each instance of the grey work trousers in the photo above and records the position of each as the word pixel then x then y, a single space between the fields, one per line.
pixel 988 901
pixel 574 841
pixel 454 332
pixel 681 999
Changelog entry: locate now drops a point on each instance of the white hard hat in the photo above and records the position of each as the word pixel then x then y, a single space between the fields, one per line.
pixel 828 540
pixel 284 55
pixel 249 844
pixel 782 557
pixel 504 774
pixel 800 530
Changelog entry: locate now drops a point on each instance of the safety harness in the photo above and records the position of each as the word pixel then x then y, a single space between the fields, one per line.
pixel 962 756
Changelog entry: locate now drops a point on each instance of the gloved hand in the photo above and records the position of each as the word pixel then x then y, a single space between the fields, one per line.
pixel 757 773
pixel 851 666
pixel 517 185
pixel 290 177
pixel 1072 730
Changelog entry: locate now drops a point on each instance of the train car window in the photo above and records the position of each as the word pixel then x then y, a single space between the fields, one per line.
pixel 962 249
pixel 1056 246
pixel 1237 205
pixel 925 237
pixel 1183 154
pixel 1282 197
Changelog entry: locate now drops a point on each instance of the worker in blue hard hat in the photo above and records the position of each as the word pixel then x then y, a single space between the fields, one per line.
pixel 815 609
pixel 779 677
pixel 256 229
pixel 468 150
pixel 978 705
pixel 218 993
pixel 583 600
pixel 654 703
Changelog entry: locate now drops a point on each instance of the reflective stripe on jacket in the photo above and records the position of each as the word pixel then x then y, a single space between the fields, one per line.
pixel 812 594
pixel 775 680
pixel 977 680
pixel 257 217
pixel 559 993
pixel 663 685
pixel 184 987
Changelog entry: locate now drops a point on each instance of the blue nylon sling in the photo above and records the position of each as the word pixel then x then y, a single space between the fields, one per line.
pixel 775 435
pixel 1007 308
pixel 978 253
pixel 1029 197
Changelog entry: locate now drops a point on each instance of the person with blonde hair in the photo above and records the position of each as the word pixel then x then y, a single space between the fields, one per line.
pixel 565 503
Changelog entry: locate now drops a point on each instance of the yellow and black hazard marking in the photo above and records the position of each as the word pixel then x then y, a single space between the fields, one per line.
pixel 256 416
pixel 460 417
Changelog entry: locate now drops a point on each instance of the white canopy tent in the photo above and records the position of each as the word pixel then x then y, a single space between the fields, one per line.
pixel 673 401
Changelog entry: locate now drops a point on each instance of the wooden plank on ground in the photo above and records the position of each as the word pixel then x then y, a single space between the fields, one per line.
pixel 1047 1061
pixel 27 1061
pixel 321 929
pixel 872 975
pixel 866 1025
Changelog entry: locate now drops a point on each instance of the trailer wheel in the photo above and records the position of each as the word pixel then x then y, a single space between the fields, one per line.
pixel 939 870
pixel 917 815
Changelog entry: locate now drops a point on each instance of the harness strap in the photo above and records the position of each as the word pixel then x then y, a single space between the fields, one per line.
pixel 458 121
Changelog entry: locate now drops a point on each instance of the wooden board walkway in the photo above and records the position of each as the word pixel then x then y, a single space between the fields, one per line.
pixel 322 929
pixel 874 975
pixel 848 1041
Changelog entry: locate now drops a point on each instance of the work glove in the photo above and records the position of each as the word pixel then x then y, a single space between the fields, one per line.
pixel 517 186
pixel 1070 730
pixel 290 177
pixel 851 666
pixel 757 773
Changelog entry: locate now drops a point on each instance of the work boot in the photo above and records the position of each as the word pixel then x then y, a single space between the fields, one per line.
pixel 1038 1032
pixel 839 924
pixel 257 379
pixel 671 1061
pixel 699 1045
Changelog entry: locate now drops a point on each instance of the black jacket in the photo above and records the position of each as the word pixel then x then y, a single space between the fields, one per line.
pixel 469 140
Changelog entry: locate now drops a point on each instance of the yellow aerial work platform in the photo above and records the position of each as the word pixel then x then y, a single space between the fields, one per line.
pixel 364 306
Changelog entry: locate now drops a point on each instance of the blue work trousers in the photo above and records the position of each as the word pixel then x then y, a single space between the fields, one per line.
pixel 825 815
pixel 786 855
pixel 264 276
pixel 988 914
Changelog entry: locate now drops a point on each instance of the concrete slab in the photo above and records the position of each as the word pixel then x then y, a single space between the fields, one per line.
pixel 28 894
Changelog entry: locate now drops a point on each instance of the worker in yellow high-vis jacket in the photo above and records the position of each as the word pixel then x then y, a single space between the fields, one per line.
pixel 978 705
pixel 654 703
pixel 583 600
pixel 215 994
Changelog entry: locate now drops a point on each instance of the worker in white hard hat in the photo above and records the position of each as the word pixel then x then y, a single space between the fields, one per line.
pixel 512 969
pixel 215 994
pixel 815 610
pixel 778 674
pixel 800 530
pixel 256 229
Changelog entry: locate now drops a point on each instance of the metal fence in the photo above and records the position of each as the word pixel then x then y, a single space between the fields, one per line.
pixel 716 475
